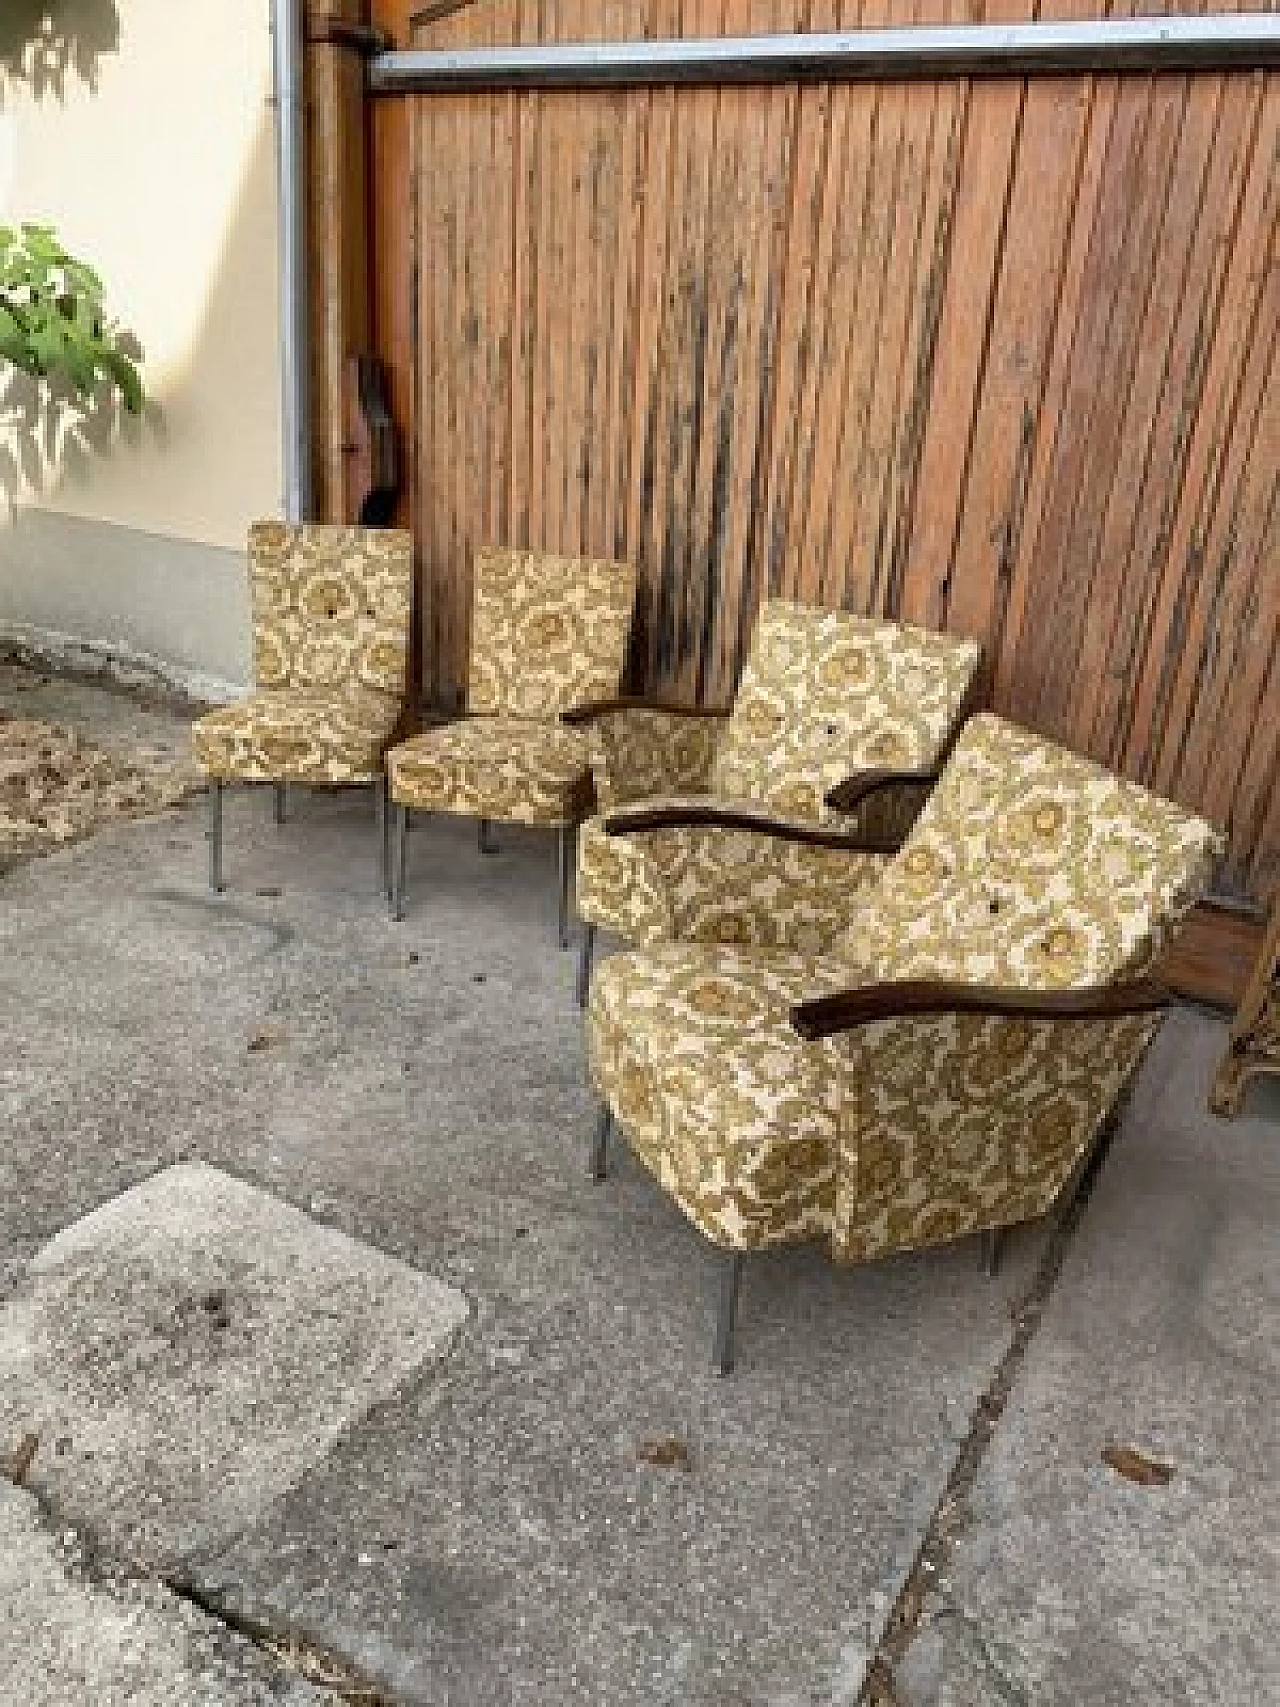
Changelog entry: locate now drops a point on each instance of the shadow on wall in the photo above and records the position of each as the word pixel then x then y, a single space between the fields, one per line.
pixel 202 458
pixel 49 435
pixel 43 426
pixel 42 41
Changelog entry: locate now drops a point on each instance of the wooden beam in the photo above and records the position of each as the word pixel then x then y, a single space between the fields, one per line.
pixel 339 235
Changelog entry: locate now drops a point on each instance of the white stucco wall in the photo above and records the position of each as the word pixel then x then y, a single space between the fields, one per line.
pixel 161 173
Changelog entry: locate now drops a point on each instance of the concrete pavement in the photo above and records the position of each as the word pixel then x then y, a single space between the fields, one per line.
pixel 487 1531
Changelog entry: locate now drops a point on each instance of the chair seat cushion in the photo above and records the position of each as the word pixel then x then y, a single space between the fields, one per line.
pixel 317 735
pixel 521 770
pixel 736 1116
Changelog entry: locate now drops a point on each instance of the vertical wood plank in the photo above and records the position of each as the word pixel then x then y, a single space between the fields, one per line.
pixel 1231 690
pixel 779 573
pixel 651 321
pixel 1130 222
pixel 1137 575
pixel 1013 683
pixel 1045 181
pixel 764 131
pixel 1211 438
pixel 1120 580
pixel 993 356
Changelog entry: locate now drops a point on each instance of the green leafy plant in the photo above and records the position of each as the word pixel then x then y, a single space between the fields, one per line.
pixel 52 321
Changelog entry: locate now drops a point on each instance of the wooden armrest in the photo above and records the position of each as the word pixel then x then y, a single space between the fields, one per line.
pixel 590 709
pixel 846 1010
pixel 849 794
pixel 679 814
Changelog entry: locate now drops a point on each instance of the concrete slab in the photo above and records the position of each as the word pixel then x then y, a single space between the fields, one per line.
pixel 188 1351
pixel 1074 1587
pixel 485 1535
pixel 67 1640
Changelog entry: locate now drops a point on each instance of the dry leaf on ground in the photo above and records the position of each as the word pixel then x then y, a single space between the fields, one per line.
pixel 268 1038
pixel 667 1452
pixel 23 1459
pixel 1135 1466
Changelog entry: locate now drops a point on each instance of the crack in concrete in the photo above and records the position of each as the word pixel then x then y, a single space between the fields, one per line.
pixel 83 1557
pixel 951 1515
pixel 288 1648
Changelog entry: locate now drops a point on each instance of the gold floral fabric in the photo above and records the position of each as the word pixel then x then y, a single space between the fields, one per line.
pixel 697 883
pixel 330 606
pixel 521 770
pixel 619 886
pixel 957 1123
pixel 905 1133
pixel 1032 867
pixel 546 632
pixel 638 752
pixel 330 646
pixel 305 735
pixel 823 694
pixel 736 1117
pixel 918 1129
pixel 827 693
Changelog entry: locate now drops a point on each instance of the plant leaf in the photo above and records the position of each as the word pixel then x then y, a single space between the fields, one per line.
pixel 52 321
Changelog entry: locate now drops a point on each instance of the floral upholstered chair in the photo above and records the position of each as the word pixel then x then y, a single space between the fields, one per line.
pixel 330 646
pixel 546 634
pixel 943 1068
pixel 838 724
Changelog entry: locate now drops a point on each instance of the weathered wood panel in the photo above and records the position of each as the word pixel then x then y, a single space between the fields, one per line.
pixel 997 356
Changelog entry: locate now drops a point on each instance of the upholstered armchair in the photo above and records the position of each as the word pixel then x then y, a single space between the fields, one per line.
pixel 547 633
pixel 943 1067
pixel 330 609
pixel 836 729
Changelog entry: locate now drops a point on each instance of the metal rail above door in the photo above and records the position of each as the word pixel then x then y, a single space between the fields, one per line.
pixel 1213 42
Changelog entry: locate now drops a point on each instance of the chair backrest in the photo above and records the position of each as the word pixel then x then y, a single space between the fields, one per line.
pixel 1032 868
pixel 827 693
pixel 330 606
pixel 546 632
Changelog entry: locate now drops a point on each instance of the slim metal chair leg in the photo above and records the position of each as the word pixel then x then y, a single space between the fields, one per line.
pixel 281 791
pixel 726 1317
pixel 398 861
pixel 566 848
pixel 600 1143
pixel 380 828
pixel 484 837
pixel 213 834
pixel 991 1248
pixel 585 955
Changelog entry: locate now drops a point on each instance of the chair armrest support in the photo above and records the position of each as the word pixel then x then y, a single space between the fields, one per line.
pixel 847 1010
pixel 846 796
pixel 589 710
pixel 678 814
